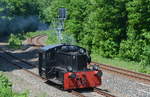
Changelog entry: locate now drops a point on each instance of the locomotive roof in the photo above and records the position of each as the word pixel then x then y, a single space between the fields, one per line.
pixel 45 48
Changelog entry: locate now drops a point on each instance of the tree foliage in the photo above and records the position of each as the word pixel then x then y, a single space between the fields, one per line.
pixel 110 28
pixel 137 30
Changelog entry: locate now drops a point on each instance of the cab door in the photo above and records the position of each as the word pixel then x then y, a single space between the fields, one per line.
pixel 42 65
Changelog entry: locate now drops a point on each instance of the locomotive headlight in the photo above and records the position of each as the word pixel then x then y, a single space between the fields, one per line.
pixel 95 67
pixel 72 75
pixel 69 69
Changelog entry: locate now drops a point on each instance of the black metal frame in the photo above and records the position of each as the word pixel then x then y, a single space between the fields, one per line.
pixel 56 61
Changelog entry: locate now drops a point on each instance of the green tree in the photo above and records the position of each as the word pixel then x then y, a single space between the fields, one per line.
pixel 105 26
pixel 137 31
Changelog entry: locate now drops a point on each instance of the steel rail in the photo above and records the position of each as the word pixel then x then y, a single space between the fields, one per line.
pixel 34 74
pixel 99 91
pixel 37 42
pixel 77 93
pixel 128 73
pixel 20 67
pixel 15 57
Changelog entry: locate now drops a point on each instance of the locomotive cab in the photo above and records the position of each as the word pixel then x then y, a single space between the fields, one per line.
pixel 63 63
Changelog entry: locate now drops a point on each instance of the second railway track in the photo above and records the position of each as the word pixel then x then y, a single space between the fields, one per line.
pixel 36 40
pixel 134 75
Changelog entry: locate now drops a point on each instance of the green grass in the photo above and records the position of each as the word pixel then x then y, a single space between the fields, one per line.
pixel 6 88
pixel 130 65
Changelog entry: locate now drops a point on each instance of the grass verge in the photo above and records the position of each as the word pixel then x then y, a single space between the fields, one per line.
pixel 130 65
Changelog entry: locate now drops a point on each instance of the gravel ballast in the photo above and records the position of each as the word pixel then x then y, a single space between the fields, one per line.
pixel 24 81
pixel 124 87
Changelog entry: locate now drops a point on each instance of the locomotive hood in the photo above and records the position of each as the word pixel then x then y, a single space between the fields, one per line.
pixel 46 48
pixel 64 48
pixel 67 55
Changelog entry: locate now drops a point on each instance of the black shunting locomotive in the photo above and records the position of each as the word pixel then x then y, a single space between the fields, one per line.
pixel 67 65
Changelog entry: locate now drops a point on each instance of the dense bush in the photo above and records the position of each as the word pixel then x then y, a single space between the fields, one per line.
pixel 136 46
pixel 15 41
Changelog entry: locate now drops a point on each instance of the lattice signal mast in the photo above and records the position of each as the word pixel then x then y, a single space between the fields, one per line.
pixel 62 16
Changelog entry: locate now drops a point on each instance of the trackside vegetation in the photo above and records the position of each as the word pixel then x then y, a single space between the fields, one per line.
pixel 111 29
pixel 15 41
pixel 6 88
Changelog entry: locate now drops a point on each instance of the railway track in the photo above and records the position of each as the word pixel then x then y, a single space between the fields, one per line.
pixel 131 74
pixel 97 90
pixel 36 75
pixel 8 53
pixel 77 93
pixel 36 40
